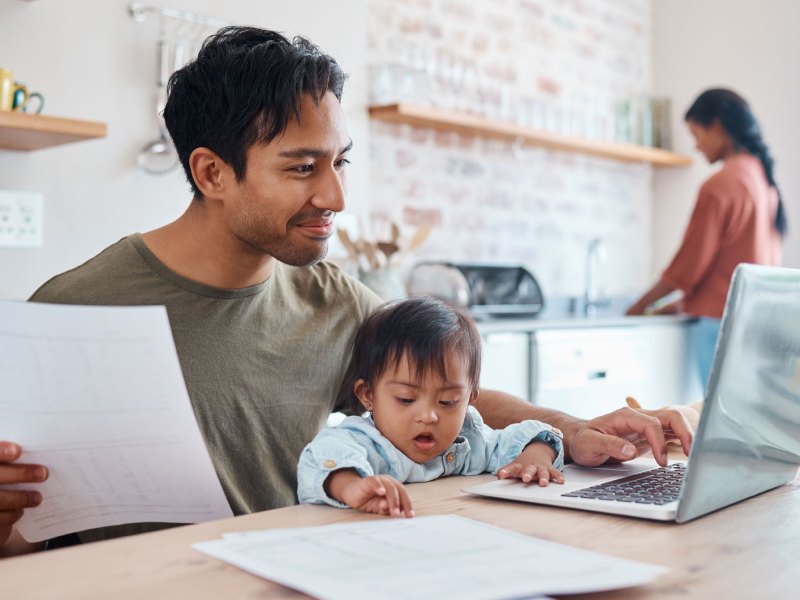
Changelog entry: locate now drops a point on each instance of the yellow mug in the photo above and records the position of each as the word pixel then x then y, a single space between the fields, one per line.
pixel 15 95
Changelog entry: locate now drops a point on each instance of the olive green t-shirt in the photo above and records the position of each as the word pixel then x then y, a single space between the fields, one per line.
pixel 262 364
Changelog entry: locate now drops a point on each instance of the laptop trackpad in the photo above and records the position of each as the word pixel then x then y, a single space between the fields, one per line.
pixel 575 474
pixel 575 478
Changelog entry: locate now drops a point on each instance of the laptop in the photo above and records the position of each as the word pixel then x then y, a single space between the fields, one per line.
pixel 748 439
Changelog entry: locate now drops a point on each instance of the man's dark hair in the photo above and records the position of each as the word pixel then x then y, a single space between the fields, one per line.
pixel 422 329
pixel 241 90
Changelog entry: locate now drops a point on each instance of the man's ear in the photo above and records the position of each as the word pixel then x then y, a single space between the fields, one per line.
pixel 363 392
pixel 210 173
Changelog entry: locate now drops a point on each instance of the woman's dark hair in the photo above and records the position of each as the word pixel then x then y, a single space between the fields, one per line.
pixel 421 328
pixel 739 122
pixel 242 89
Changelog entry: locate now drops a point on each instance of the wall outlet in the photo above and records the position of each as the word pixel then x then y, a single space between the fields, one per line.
pixel 21 219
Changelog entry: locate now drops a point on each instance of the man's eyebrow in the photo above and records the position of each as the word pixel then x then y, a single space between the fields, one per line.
pixel 311 152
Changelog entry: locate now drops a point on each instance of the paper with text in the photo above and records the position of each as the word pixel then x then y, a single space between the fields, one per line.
pixel 433 557
pixel 97 395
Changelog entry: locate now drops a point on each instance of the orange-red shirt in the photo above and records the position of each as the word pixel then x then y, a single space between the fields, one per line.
pixel 732 222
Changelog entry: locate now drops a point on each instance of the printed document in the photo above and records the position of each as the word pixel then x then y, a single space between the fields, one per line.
pixel 96 394
pixel 432 557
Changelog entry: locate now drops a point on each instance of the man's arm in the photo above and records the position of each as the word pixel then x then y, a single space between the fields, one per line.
pixel 617 436
pixel 500 410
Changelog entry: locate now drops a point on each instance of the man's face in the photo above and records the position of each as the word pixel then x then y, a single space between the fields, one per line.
pixel 293 186
pixel 420 416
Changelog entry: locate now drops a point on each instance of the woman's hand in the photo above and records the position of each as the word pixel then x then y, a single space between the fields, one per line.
pixel 379 494
pixel 534 462
pixel 671 308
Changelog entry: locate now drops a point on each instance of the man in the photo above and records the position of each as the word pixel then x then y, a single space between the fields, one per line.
pixel 262 325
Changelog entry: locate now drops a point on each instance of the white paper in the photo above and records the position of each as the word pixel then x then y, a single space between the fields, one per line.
pixel 97 395
pixel 433 557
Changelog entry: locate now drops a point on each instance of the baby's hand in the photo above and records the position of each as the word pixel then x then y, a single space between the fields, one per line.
pixel 535 462
pixel 379 494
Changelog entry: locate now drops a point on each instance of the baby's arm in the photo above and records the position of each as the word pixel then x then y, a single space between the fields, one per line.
pixel 527 450
pixel 343 467
pixel 380 494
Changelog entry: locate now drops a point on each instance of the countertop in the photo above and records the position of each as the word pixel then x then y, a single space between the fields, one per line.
pixel 523 325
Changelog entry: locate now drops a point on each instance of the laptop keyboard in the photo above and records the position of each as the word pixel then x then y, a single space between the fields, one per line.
pixel 659 486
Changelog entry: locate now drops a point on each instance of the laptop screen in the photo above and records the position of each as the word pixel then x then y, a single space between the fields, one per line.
pixel 748 440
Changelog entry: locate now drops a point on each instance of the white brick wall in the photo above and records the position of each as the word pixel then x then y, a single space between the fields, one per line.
pixel 562 63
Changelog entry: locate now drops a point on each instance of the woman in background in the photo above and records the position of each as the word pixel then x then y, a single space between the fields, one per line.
pixel 738 218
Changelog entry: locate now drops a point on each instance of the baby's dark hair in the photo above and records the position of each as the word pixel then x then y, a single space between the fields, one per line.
pixel 423 329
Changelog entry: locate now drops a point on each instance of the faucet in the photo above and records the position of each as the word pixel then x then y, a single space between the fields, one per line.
pixel 592 294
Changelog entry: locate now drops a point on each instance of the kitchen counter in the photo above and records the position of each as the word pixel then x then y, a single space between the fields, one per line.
pixel 510 325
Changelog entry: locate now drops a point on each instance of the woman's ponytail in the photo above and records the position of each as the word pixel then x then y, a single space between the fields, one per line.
pixel 740 124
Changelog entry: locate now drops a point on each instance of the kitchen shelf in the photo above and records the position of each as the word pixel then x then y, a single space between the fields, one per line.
pixel 23 131
pixel 469 124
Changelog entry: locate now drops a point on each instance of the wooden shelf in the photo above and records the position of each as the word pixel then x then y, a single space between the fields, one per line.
pixel 469 124
pixel 22 131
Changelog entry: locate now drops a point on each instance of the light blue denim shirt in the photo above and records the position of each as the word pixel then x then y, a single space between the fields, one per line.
pixel 357 444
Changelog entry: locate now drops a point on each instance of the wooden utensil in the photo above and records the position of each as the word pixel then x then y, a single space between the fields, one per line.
pixel 420 235
pixel 388 248
pixel 370 252
pixel 347 243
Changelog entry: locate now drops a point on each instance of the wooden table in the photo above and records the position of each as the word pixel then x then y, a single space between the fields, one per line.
pixel 749 550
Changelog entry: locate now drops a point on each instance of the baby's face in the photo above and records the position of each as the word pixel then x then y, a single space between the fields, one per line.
pixel 421 417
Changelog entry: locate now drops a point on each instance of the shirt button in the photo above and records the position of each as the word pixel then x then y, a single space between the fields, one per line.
pixel 329 464
pixel 451 457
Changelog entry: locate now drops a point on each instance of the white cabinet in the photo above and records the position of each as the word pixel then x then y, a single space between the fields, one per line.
pixel 672 375
pixel 588 369
pixel 587 372
pixel 506 362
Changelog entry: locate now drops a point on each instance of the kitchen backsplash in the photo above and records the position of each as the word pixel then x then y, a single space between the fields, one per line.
pixel 571 61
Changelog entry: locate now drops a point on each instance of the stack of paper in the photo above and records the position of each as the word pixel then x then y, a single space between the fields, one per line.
pixel 96 394
pixel 430 557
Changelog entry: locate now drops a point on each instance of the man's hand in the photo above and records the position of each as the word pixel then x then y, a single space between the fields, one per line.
pixel 13 502
pixel 534 462
pixel 379 494
pixel 626 433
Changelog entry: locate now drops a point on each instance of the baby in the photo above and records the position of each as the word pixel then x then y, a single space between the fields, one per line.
pixel 415 369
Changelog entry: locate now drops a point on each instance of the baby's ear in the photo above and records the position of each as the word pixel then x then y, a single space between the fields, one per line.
pixel 363 392
pixel 473 397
